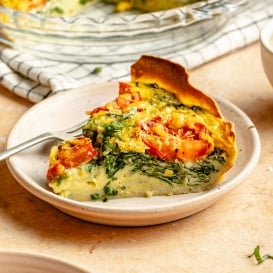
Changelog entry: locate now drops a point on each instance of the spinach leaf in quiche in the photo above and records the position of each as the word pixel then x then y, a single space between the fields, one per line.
pixel 177 172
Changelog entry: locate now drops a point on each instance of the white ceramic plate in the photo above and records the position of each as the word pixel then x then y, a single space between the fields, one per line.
pixel 21 262
pixel 63 110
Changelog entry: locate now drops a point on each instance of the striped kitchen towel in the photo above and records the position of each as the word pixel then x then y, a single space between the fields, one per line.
pixel 35 78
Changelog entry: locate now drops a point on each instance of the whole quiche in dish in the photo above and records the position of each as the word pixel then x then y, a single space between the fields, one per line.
pixel 72 7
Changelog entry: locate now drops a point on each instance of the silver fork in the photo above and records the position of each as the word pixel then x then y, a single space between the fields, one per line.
pixel 69 133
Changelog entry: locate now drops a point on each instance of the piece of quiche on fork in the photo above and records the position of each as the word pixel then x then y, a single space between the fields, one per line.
pixel 160 136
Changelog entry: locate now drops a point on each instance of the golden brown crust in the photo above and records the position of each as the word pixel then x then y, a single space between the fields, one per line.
pixel 173 77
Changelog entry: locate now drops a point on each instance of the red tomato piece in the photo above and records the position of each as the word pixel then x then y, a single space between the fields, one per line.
pixel 185 143
pixel 96 110
pixel 71 154
pixel 124 87
pixel 191 150
pixel 126 99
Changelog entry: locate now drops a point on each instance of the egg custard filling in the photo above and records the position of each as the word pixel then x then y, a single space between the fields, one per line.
pixel 160 136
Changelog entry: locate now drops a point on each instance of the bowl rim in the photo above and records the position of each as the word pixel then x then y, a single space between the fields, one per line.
pixel 266 36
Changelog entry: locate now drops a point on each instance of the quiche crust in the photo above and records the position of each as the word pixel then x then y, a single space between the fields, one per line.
pixel 173 77
pixel 160 136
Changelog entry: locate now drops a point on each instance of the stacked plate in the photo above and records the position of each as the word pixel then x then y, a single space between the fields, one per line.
pixel 20 262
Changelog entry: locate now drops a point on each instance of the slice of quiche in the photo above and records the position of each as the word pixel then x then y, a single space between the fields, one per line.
pixel 160 136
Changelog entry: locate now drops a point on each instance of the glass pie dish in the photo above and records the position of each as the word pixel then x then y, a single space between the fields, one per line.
pixel 100 35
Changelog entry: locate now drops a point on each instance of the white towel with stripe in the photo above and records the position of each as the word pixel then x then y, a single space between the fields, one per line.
pixel 35 79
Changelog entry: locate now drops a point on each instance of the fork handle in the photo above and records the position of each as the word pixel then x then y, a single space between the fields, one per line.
pixel 25 145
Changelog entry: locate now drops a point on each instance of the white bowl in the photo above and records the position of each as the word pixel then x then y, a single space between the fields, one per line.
pixel 20 262
pixel 266 40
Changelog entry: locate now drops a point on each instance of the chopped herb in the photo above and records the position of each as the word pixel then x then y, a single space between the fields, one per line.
pixel 110 191
pixel 112 164
pixel 59 181
pixel 95 196
pixel 115 126
pixel 260 259
pixel 57 10
pixel 96 70
pixel 83 2
pixel 88 167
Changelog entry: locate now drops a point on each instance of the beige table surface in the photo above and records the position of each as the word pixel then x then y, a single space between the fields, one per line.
pixel 217 239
